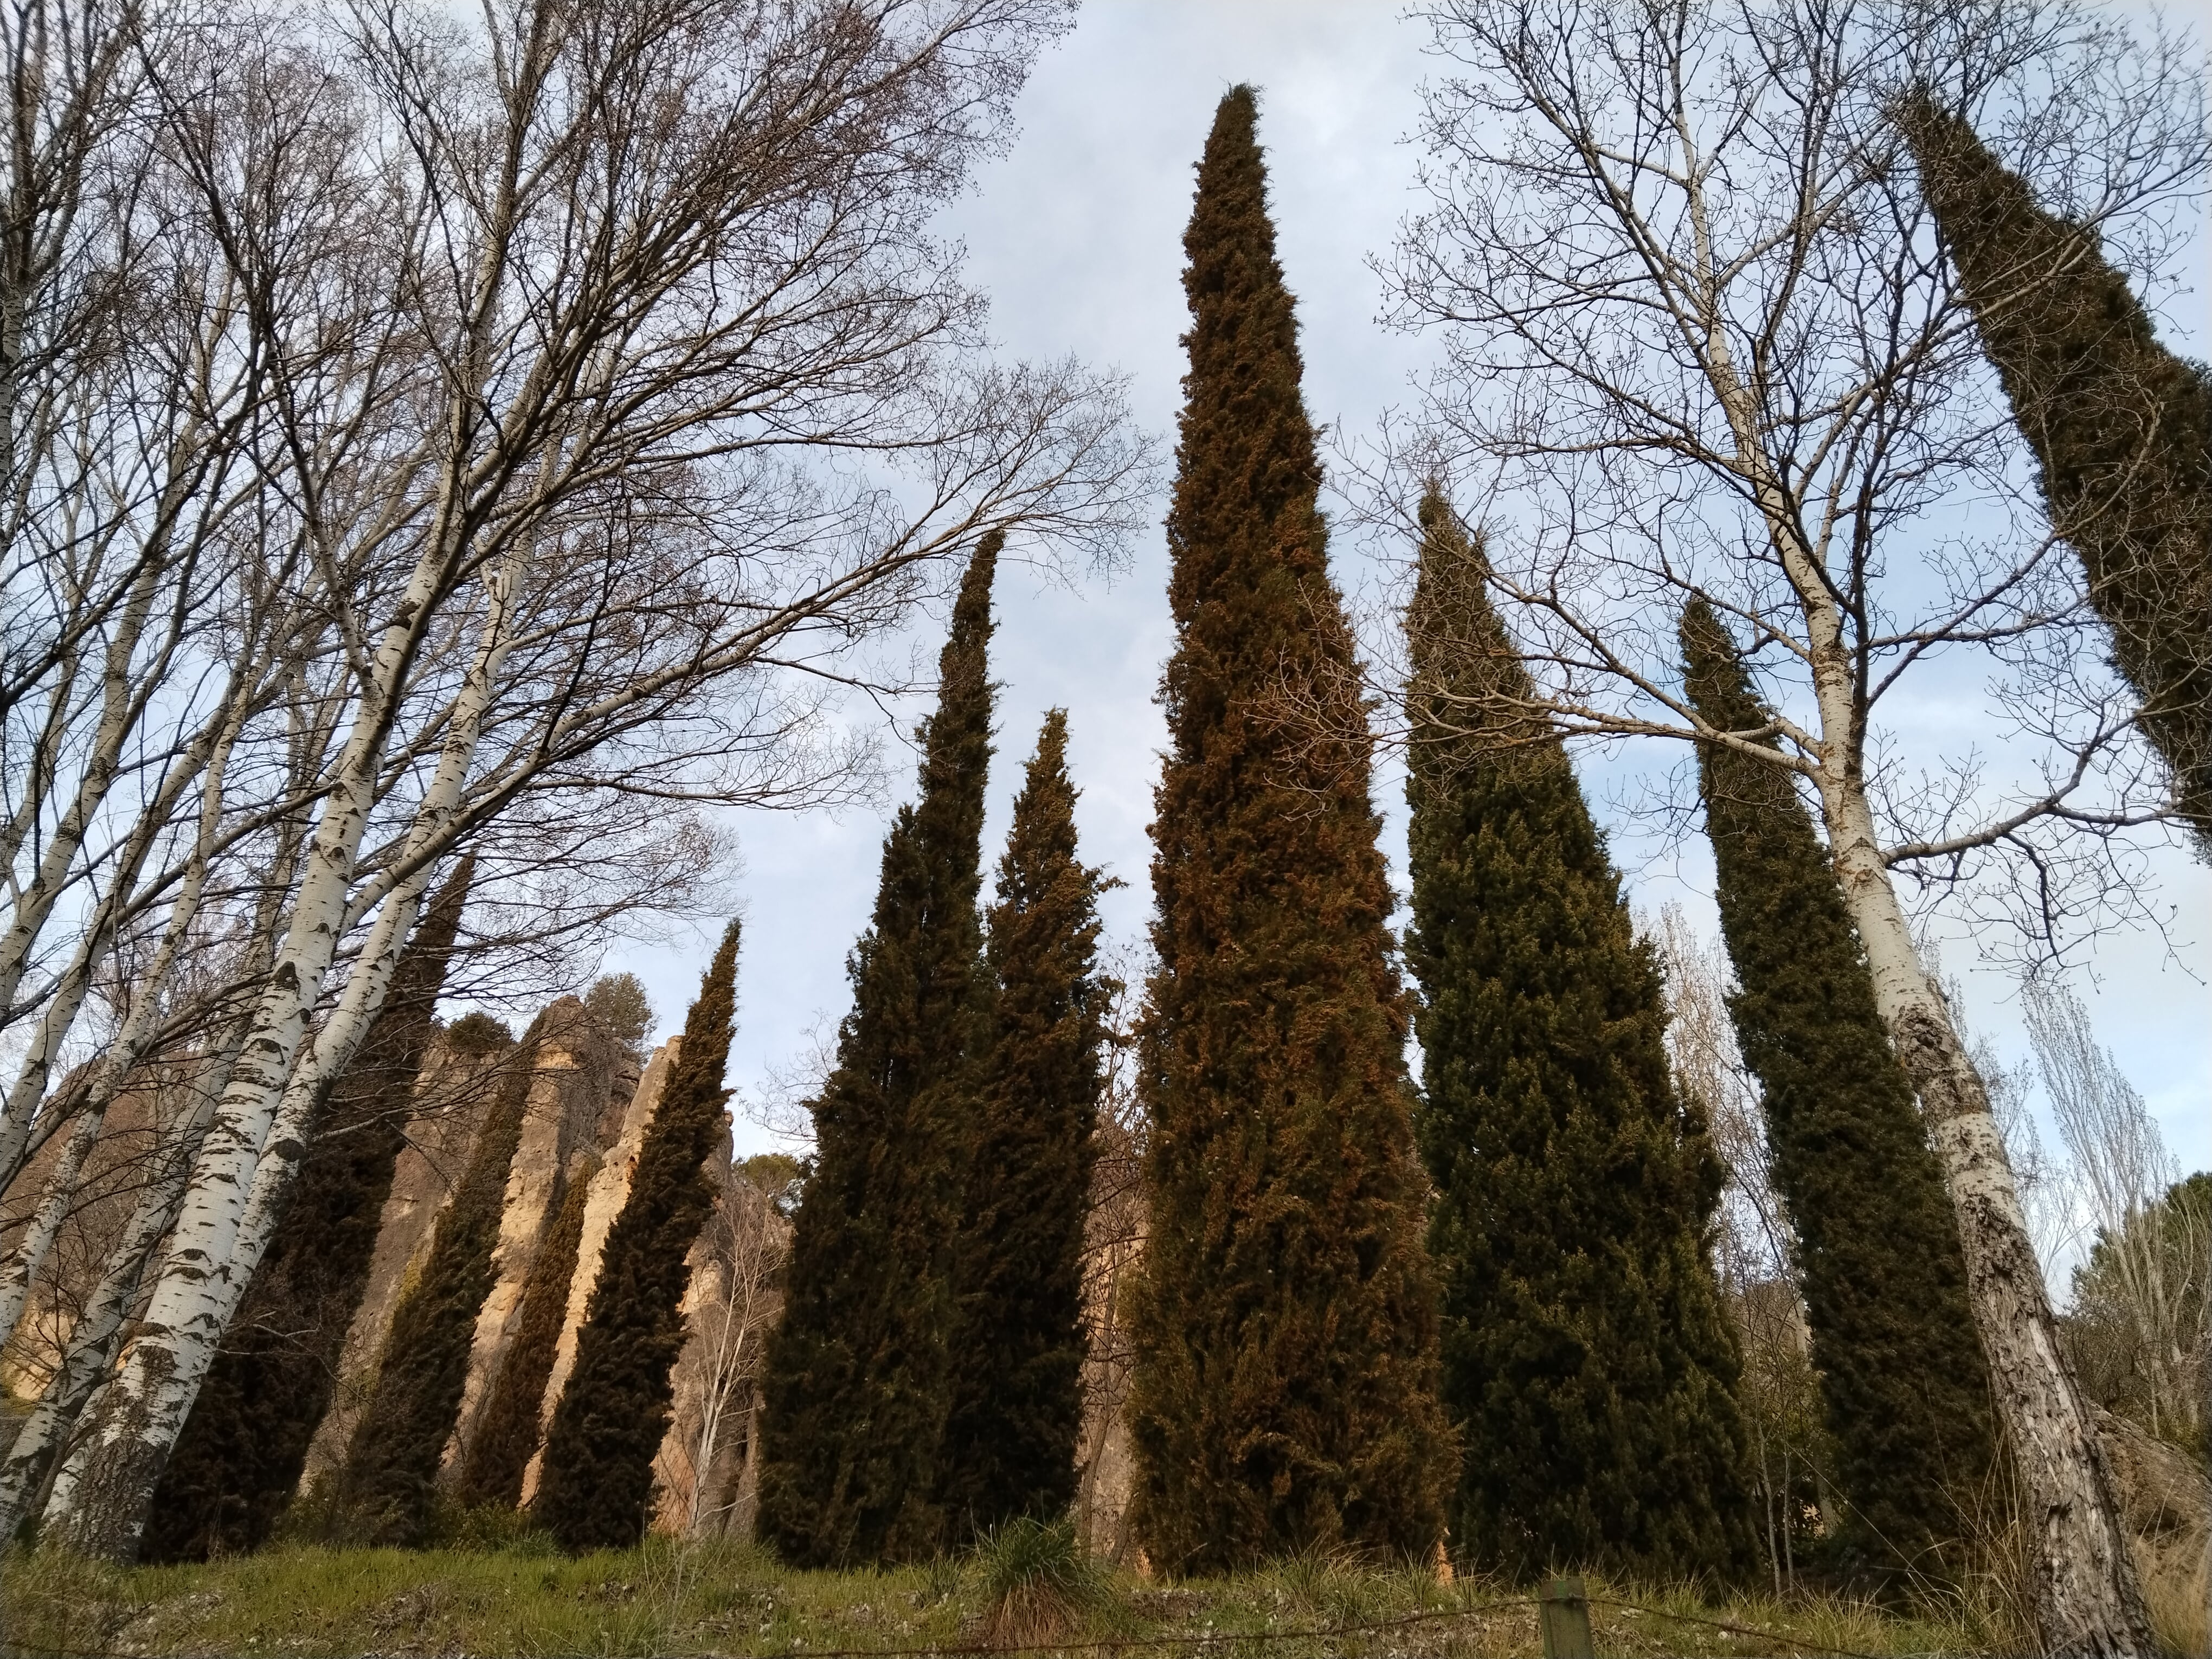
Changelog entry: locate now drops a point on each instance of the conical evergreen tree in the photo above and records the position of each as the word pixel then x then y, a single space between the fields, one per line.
pixel 597 1474
pixel 1906 1394
pixel 1018 1341
pixel 513 1425
pixel 1285 1317
pixel 243 1446
pixel 388 1482
pixel 1586 1350
pixel 856 1379
pixel 2122 429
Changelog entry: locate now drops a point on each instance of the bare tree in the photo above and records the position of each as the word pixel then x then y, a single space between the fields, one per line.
pixel 1702 342
pixel 1753 1245
pixel 2151 1253
pixel 608 389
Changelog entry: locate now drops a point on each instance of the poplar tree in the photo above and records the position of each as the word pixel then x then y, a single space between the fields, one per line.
pixel 1902 1380
pixel 1017 1339
pixel 243 1447
pixel 2121 429
pixel 387 1484
pixel 597 1480
pixel 1586 1350
pixel 1284 1318
pixel 856 1380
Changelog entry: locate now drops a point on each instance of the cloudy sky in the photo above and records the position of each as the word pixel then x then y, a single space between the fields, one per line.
pixel 1075 234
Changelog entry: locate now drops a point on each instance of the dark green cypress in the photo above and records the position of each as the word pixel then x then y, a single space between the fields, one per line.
pixel 387 1485
pixel 2121 429
pixel 856 1379
pixel 1902 1380
pixel 1586 1350
pixel 1018 1341
pixel 511 1427
pixel 244 1445
pixel 596 1481
pixel 1284 1315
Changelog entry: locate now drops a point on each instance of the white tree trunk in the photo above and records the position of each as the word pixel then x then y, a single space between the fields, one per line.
pixel 92 1342
pixel 99 1506
pixel 2088 1598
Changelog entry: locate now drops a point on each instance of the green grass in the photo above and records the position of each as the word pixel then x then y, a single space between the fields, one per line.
pixel 521 1599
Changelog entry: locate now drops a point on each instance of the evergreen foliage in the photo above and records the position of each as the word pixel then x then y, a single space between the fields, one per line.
pixel 856 1379
pixel 388 1482
pixel 1586 1350
pixel 241 1455
pixel 2121 427
pixel 1904 1389
pixel 597 1480
pixel 1284 1317
pixel 514 1421
pixel 1018 1341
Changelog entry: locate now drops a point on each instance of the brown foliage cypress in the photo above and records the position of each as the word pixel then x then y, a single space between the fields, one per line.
pixel 512 1423
pixel 1906 1393
pixel 388 1483
pixel 243 1446
pixel 1284 1318
pixel 1018 1341
pixel 856 1379
pixel 597 1474
pixel 2121 427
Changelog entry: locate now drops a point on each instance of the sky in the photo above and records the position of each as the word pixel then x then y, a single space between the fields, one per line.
pixel 1075 234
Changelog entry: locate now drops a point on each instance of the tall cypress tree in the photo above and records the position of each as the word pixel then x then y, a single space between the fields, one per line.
pixel 1905 1392
pixel 1018 1341
pixel 613 1413
pixel 2121 427
pixel 388 1484
pixel 1285 1317
pixel 1586 1350
pixel 856 1380
pixel 244 1445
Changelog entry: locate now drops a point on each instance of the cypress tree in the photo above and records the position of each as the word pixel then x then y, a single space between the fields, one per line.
pixel 1902 1380
pixel 856 1380
pixel 2120 427
pixel 1018 1341
pixel 388 1482
pixel 597 1480
pixel 243 1446
pixel 1284 1317
pixel 1586 1350
pixel 508 1437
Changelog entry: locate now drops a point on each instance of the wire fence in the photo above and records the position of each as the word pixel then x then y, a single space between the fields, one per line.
pixel 1340 1633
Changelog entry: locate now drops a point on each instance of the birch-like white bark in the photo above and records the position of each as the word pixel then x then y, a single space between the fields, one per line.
pixel 254 1145
pixel 2088 1599
pixel 209 761
pixel 90 1350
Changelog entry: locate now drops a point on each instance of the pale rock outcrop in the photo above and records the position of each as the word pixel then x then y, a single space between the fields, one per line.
pixel 706 1474
pixel 576 1075
pixel 452 1095
pixel 610 1190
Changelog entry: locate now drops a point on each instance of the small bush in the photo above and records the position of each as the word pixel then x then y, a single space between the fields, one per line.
pixel 1038 1583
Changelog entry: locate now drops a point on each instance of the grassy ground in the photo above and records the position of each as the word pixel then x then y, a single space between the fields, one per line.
pixel 713 1599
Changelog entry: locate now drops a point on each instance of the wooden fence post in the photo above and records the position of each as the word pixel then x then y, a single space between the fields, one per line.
pixel 1563 1615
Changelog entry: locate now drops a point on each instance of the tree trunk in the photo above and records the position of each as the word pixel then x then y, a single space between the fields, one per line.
pixel 91 1346
pixel 2087 1600
pixel 256 1141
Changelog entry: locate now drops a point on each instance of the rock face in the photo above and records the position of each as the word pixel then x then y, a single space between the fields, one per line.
pixel 610 1188
pixel 708 1468
pixel 1114 1241
pixel 580 1072
pixel 451 1097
